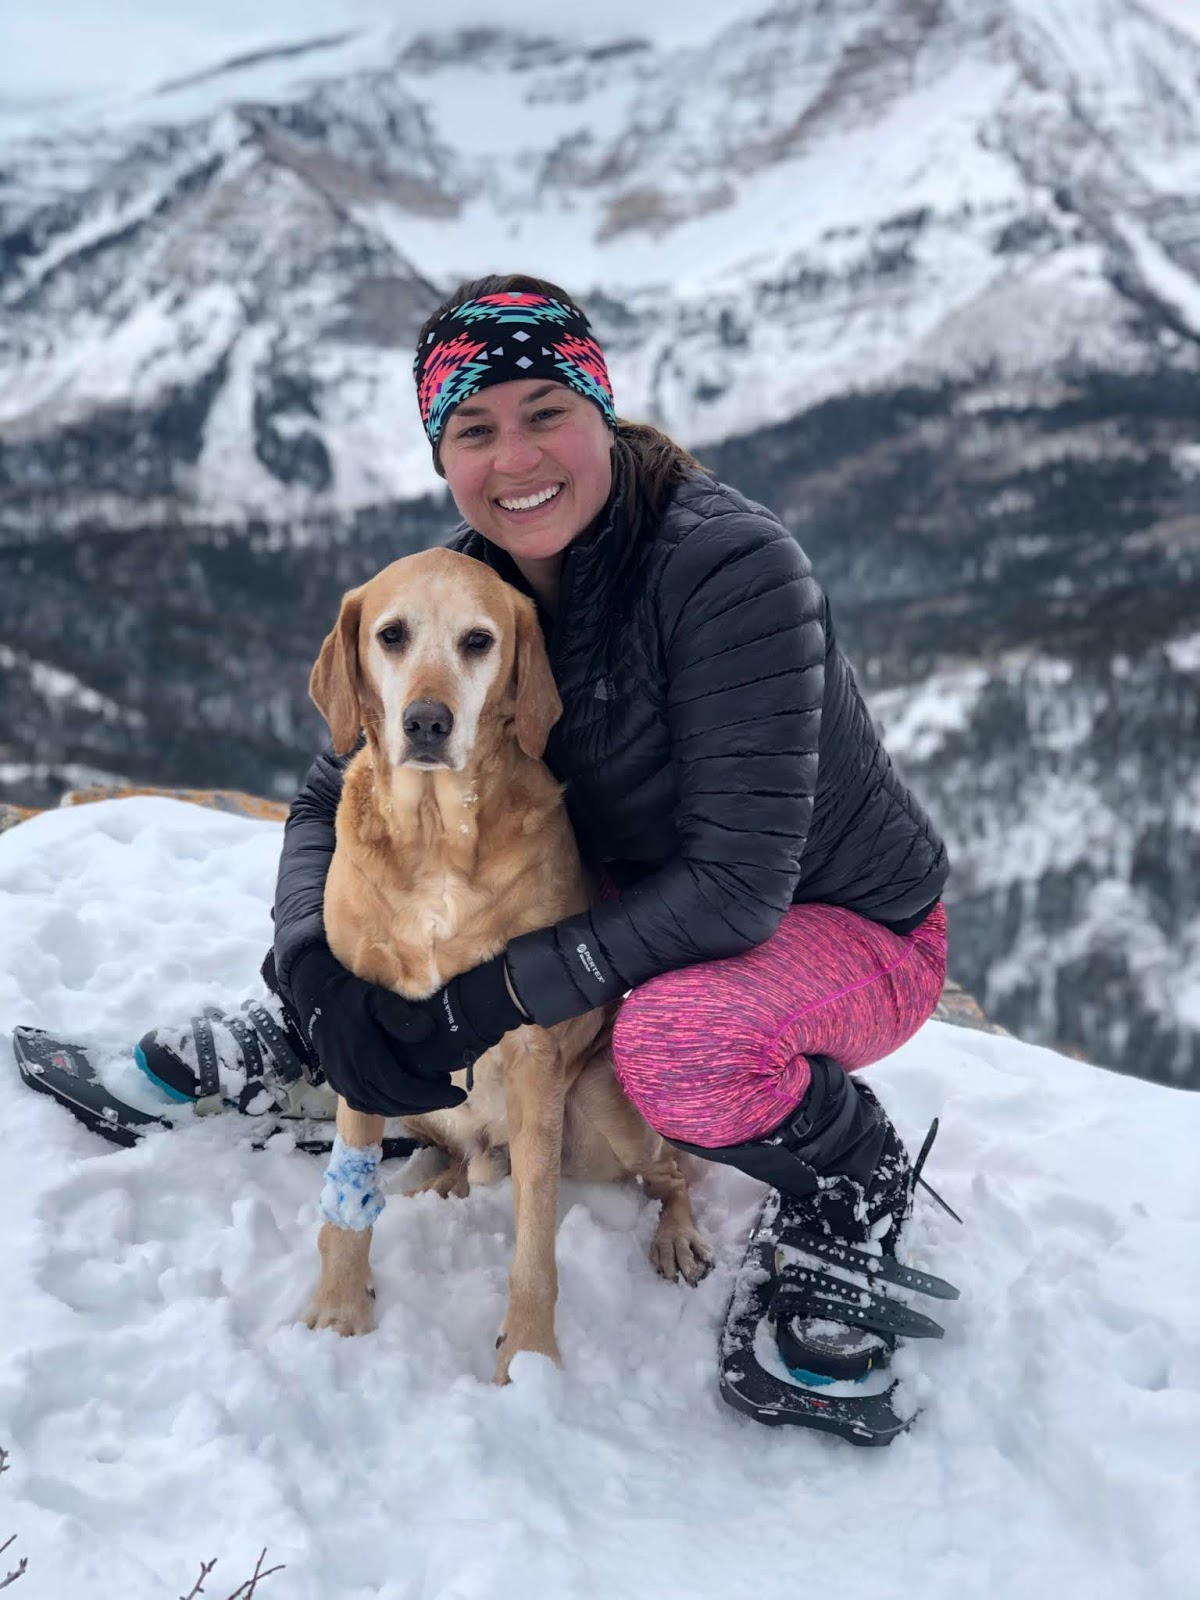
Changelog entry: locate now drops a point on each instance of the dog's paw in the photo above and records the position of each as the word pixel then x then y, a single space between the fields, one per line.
pixel 451 1180
pixel 541 1343
pixel 345 1293
pixel 346 1315
pixel 681 1251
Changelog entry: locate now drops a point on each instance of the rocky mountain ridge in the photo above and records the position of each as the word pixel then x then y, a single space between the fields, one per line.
pixel 819 199
pixel 923 275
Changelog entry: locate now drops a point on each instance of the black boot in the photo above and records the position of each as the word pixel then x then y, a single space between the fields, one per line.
pixel 837 1151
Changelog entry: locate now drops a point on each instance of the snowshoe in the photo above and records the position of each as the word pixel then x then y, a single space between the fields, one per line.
pixel 67 1072
pixel 810 1329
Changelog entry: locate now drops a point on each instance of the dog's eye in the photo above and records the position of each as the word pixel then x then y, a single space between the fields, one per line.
pixel 476 642
pixel 393 636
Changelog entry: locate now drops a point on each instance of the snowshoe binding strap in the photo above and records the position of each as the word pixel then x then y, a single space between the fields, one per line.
pixel 881 1268
pixel 208 1071
pixel 285 1064
pixel 926 1147
pixel 267 1058
pixel 803 1293
pixel 247 1043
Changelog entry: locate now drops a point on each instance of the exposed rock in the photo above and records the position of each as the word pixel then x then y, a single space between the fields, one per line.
pixel 961 1008
pixel 237 804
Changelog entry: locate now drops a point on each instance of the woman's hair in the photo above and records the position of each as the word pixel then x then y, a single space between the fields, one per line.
pixel 653 462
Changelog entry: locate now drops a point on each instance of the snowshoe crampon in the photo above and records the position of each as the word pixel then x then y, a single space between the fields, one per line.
pixel 785 1277
pixel 67 1073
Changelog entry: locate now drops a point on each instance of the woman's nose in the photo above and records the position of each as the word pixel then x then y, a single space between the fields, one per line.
pixel 516 454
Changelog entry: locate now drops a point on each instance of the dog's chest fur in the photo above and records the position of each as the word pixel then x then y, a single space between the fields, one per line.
pixel 441 907
pixel 429 879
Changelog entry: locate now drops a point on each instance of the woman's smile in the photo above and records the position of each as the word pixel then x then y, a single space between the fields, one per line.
pixel 523 505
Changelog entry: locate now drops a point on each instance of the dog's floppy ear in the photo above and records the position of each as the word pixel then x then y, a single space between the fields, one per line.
pixel 335 681
pixel 538 706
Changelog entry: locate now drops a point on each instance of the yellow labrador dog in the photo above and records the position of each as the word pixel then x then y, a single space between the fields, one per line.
pixel 437 867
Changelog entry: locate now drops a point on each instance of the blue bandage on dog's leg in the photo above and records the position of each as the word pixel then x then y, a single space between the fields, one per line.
pixel 353 1195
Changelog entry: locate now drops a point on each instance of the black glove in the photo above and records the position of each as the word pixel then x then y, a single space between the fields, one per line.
pixel 468 1016
pixel 365 1037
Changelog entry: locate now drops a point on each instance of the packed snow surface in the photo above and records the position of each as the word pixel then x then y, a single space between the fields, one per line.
pixel 161 1405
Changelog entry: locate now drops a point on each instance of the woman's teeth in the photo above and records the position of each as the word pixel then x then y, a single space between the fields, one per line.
pixel 530 500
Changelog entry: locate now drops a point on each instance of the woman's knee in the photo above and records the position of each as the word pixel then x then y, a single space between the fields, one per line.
pixel 691 1056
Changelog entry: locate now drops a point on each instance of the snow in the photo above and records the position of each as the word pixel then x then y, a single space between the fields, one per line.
pixel 917 719
pixel 161 1406
pixel 1179 289
pixel 1184 653
pixel 1181 14
pixel 54 683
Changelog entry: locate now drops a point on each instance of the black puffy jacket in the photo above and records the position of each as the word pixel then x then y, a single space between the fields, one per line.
pixel 718 757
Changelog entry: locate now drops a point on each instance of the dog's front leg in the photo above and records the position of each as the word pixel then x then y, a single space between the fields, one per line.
pixel 350 1202
pixel 533 1085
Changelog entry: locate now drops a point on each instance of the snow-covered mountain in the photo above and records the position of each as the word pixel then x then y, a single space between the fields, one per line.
pixel 161 1406
pixel 923 274
pixel 818 199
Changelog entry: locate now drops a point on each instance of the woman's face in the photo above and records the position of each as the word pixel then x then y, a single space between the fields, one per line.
pixel 528 440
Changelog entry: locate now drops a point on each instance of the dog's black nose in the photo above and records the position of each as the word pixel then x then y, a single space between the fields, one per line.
pixel 427 724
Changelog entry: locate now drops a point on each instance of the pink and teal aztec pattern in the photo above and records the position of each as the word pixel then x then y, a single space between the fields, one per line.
pixel 717 1053
pixel 498 338
pixel 516 307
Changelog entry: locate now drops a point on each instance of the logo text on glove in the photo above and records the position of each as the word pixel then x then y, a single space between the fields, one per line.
pixel 589 963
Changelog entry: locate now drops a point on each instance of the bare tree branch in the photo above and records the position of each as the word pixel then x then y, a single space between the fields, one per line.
pixel 18 1570
pixel 198 1587
pixel 244 1591
pixel 24 1562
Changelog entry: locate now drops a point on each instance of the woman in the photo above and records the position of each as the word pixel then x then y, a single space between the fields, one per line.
pixel 775 890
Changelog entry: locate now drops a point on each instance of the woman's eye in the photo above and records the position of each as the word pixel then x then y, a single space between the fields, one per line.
pixel 476 642
pixel 547 411
pixel 475 429
pixel 393 636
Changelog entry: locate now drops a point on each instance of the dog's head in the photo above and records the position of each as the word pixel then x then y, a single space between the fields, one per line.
pixel 435 656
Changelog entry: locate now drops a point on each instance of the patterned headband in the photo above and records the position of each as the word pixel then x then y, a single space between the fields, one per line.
pixel 500 337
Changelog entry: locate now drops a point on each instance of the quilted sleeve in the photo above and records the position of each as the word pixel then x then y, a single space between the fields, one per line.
pixel 308 844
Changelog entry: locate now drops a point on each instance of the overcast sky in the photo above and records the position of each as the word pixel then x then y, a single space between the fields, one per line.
pixel 50 49
pixel 55 48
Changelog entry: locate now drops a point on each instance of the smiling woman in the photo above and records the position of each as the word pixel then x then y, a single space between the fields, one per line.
pixel 772 914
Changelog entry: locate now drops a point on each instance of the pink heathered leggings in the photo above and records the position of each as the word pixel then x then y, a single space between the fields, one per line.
pixel 717 1053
